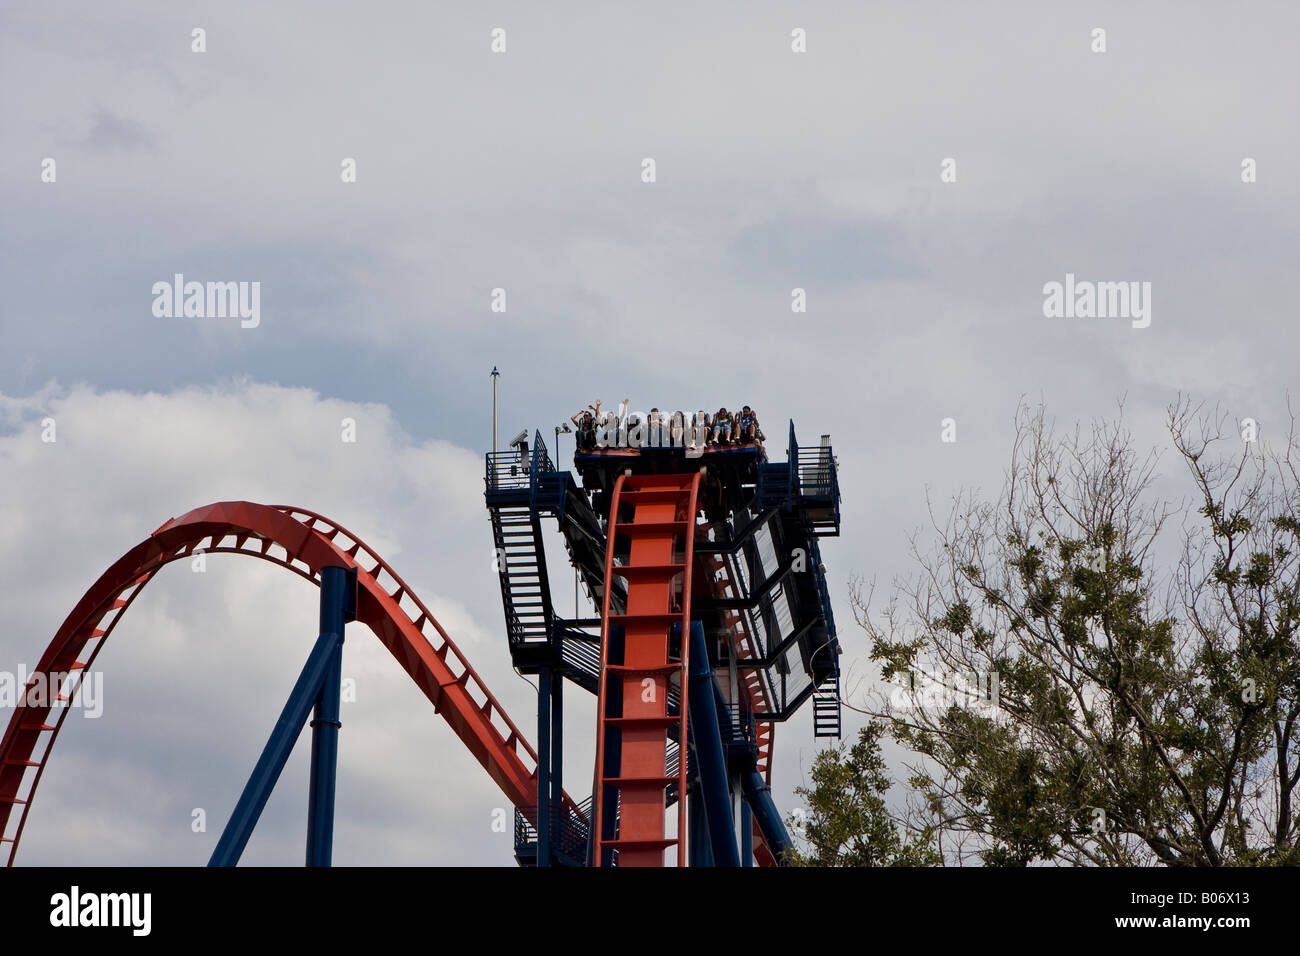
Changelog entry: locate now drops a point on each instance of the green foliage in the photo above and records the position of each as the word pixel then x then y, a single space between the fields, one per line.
pixel 1147 714
pixel 848 822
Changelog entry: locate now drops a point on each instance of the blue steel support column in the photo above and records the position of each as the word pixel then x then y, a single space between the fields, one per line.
pixel 557 763
pixel 746 834
pixel 759 796
pixel 699 850
pixel 285 733
pixel 338 605
pixel 544 767
pixel 712 763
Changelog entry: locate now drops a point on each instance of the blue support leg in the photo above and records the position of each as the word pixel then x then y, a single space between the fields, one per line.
pixel 712 764
pixel 276 753
pixel 699 849
pixel 338 588
pixel 559 835
pixel 544 767
pixel 284 735
pixel 324 765
pixel 759 797
pixel 746 834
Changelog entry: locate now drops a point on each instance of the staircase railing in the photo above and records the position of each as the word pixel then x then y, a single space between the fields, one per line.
pixel 792 456
pixel 541 462
pixel 570 832
pixel 505 471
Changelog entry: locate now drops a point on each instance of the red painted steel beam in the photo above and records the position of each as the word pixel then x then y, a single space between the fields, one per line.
pixel 662 521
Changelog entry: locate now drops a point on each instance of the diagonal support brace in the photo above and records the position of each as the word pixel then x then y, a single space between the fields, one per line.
pixel 338 588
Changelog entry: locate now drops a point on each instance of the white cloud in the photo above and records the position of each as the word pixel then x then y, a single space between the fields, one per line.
pixel 196 673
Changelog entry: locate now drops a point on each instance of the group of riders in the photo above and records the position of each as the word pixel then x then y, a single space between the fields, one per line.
pixel 721 429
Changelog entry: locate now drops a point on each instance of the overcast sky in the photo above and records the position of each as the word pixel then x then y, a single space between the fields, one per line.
pixel 522 170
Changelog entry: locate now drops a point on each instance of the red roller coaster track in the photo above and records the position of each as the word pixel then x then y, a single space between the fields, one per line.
pixel 303 542
pixel 661 533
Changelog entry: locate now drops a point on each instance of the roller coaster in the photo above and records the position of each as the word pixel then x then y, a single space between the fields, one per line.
pixel 715 625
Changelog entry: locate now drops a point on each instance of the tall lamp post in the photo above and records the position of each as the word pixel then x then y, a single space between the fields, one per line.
pixel 495 376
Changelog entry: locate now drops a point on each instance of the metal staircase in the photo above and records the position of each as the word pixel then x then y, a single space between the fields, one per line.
pixel 580 659
pixel 826 708
pixel 806 483
pixel 571 830
pixel 729 582
pixel 519 492
pixel 521 567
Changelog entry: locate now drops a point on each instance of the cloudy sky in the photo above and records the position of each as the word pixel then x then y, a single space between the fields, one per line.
pixel 522 171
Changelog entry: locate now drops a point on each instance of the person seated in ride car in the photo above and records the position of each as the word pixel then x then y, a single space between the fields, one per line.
pixel 747 426
pixel 722 426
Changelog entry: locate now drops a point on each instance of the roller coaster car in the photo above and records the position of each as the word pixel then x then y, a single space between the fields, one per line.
pixel 731 472
pixel 712 448
pixel 600 468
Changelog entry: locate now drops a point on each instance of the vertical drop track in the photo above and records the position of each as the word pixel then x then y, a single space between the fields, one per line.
pixel 644 662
